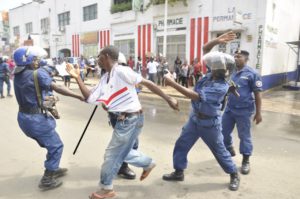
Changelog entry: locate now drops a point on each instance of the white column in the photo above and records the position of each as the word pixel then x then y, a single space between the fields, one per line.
pixel 165 29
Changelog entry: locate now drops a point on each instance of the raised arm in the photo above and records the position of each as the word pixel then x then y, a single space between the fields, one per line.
pixel 222 39
pixel 185 91
pixel 155 89
pixel 75 72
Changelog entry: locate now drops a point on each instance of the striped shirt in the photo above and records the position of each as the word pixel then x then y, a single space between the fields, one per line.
pixel 117 93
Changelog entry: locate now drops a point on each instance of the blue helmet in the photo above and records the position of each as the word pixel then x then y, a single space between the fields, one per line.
pixel 43 62
pixel 25 55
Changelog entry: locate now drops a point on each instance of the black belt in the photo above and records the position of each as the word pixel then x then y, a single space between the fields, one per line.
pixel 203 116
pixel 30 110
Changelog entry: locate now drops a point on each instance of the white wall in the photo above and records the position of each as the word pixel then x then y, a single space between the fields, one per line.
pixel 282 25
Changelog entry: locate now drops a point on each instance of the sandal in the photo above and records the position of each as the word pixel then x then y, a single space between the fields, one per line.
pixel 101 194
pixel 147 171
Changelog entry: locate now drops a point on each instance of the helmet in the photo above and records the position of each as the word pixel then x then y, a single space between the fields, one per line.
pixel 43 62
pixel 219 60
pixel 122 59
pixel 25 55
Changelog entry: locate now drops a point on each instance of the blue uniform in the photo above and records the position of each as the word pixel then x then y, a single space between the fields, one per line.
pixel 4 77
pixel 38 126
pixel 240 109
pixel 211 94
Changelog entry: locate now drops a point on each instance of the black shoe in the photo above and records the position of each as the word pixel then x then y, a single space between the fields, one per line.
pixel 174 176
pixel 245 169
pixel 49 182
pixel 126 173
pixel 2 96
pixel 60 172
pixel 234 182
pixel 231 151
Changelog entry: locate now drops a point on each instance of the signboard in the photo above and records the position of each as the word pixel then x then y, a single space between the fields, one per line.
pixel 89 38
pixel 173 22
pixel 28 42
pixel 234 15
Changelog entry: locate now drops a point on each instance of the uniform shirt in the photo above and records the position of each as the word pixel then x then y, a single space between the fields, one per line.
pixel 247 81
pixel 4 70
pixel 25 90
pixel 152 66
pixel 118 92
pixel 212 93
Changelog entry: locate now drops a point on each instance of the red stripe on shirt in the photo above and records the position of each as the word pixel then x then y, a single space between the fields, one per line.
pixel 119 92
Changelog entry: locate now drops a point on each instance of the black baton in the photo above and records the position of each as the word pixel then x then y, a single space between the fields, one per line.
pixel 85 129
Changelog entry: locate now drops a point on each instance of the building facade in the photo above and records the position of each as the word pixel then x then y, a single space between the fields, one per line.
pixel 77 27
pixel 4 33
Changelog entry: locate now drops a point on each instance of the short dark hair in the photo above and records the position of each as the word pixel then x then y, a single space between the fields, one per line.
pixel 242 52
pixel 111 51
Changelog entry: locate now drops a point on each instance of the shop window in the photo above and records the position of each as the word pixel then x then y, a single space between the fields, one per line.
pixel 126 47
pixel 176 46
pixel 90 12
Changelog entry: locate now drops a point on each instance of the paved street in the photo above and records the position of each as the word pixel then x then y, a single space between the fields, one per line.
pixel 274 163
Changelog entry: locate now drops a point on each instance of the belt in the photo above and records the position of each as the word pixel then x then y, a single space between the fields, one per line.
pixel 30 110
pixel 203 116
pixel 132 113
pixel 124 114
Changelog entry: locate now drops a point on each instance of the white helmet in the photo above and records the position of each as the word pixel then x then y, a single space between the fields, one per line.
pixel 122 59
pixel 218 60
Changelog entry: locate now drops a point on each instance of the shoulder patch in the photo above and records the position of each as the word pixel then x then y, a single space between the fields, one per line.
pixel 258 83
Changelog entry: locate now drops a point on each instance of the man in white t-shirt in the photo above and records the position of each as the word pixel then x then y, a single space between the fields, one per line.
pixel 116 90
pixel 152 69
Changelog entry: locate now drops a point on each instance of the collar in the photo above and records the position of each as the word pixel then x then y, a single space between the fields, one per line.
pixel 244 69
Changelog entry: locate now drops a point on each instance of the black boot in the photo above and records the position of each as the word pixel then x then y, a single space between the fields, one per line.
pixel 48 181
pixel 231 151
pixel 60 172
pixel 245 169
pixel 126 172
pixel 177 175
pixel 234 182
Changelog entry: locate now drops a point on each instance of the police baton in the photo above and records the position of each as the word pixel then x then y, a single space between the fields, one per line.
pixel 88 123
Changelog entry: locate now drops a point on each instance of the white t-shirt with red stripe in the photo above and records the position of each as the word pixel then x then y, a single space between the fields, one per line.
pixel 118 94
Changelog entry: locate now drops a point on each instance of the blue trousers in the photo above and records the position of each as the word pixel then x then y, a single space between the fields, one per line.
pixel 243 124
pixel 210 132
pixel 7 81
pixel 120 149
pixel 42 130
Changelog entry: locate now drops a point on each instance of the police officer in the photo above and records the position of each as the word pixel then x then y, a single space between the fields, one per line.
pixel 205 119
pixel 240 109
pixel 32 119
pixel 4 77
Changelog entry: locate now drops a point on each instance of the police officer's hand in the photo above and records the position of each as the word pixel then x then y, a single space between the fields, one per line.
pixel 74 72
pixel 226 37
pixel 257 118
pixel 173 103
